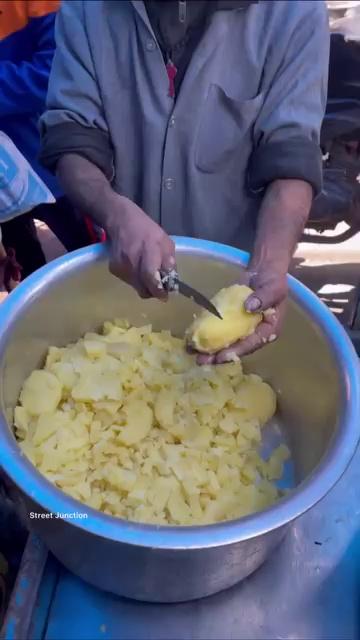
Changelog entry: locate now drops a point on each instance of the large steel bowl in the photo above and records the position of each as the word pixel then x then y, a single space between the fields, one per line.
pixel 313 367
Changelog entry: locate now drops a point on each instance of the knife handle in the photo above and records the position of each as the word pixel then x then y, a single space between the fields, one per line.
pixel 170 280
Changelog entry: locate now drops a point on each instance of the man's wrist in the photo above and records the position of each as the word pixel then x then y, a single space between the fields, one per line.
pixel 113 209
pixel 89 190
pixel 274 261
pixel 282 217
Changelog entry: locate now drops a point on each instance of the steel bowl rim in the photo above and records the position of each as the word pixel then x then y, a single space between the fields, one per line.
pixel 332 466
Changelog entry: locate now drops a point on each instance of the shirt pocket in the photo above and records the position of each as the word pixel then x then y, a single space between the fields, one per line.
pixel 225 129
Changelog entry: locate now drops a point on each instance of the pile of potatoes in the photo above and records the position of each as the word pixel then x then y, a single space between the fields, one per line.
pixel 127 423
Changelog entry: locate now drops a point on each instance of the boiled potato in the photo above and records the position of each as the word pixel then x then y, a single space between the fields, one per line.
pixel 95 386
pixel 139 420
pixel 21 420
pixel 209 334
pixel 41 393
pixel 126 422
pixel 255 399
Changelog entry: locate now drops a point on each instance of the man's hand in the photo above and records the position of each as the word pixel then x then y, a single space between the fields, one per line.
pixel 269 297
pixel 139 249
pixel 282 218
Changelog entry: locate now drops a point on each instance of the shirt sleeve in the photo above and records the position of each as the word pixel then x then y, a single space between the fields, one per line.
pixel 23 85
pixel 287 130
pixel 74 121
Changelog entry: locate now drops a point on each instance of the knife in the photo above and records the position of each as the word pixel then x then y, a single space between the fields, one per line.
pixel 172 283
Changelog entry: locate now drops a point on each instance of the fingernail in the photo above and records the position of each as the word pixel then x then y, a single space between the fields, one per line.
pixel 159 284
pixel 253 304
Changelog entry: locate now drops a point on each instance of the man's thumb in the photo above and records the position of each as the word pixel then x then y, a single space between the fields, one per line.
pixel 265 297
pixel 253 303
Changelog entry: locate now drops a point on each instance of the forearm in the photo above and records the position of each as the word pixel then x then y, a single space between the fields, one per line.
pixel 282 218
pixel 88 188
pixel 139 249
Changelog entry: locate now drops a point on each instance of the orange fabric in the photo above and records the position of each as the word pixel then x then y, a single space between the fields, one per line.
pixel 15 14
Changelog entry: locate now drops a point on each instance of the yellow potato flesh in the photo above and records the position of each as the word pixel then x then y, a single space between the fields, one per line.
pixel 126 422
pixel 41 393
pixel 209 334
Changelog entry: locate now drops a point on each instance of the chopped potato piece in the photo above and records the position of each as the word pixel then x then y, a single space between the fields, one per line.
pixel 126 422
pixel 21 421
pixel 178 509
pixel 94 348
pixel 48 424
pixel 255 399
pixel 122 479
pixel 210 334
pixel 41 393
pixel 139 419
pixel 95 386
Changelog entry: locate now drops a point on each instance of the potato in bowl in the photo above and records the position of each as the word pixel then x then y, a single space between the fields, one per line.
pixel 127 423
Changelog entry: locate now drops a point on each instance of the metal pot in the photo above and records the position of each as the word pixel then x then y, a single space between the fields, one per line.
pixel 313 367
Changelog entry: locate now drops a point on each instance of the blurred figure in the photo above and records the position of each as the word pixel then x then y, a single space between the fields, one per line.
pixel 27 46
pixel 21 191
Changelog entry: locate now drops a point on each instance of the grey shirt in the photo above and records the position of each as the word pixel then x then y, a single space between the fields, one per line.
pixel 248 111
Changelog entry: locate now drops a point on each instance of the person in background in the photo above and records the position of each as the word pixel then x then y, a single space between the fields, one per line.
pixel 9 272
pixel 27 47
pixel 21 191
pixel 197 118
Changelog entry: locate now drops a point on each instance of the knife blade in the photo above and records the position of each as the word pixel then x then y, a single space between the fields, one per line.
pixel 172 283
pixel 198 298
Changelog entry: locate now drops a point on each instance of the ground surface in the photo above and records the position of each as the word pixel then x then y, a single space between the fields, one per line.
pixel 332 272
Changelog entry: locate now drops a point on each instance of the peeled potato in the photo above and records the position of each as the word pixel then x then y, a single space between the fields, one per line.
pixel 209 334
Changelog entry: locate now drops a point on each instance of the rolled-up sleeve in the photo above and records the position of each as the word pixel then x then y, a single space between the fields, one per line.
pixel 74 121
pixel 287 130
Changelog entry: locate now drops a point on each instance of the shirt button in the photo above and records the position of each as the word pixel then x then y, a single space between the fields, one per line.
pixel 169 183
pixel 172 121
pixel 150 45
